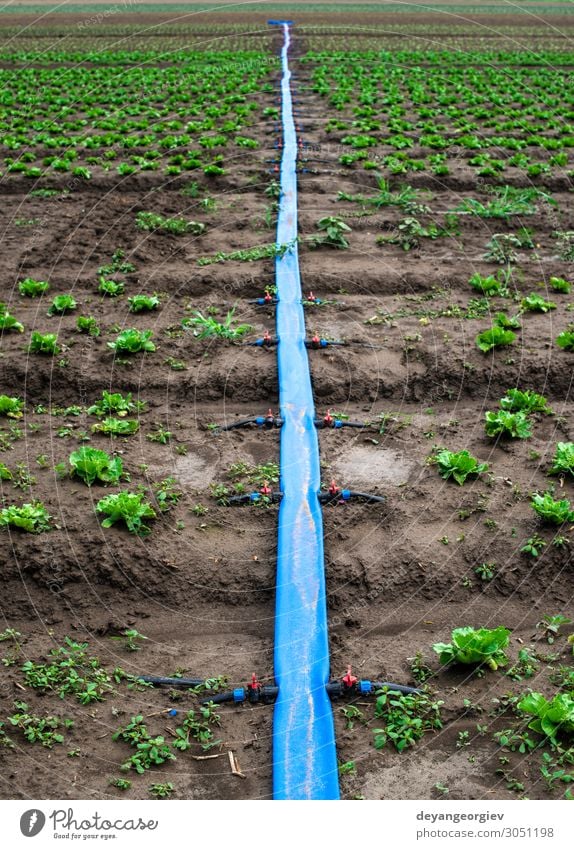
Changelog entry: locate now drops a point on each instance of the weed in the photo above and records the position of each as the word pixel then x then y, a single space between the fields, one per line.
pixel 36 729
pixel 525 667
pixel 198 725
pixel 550 625
pixel 333 230
pixel 160 434
pixel 120 783
pixel 352 714
pixel 485 571
pixel 406 719
pixel 70 670
pixel 167 494
pixel 131 639
pixel 206 326
pixel 177 226
pixel 161 791
pixel 151 751
pixel 533 546
pixel 420 670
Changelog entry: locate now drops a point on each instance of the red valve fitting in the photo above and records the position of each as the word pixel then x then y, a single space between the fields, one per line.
pixel 328 419
pixel 266 489
pixel 267 297
pixel 267 340
pixel 255 685
pixel 333 488
pixel 349 680
pixel 316 341
pixel 311 297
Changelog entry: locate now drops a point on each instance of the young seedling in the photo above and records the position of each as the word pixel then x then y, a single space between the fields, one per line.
pixel 525 667
pixel 69 671
pixel 160 434
pixel 333 230
pixel 120 783
pixel 352 714
pixel 493 284
pixel 485 571
pixel 131 639
pixel 151 751
pixel 550 625
pixel 533 546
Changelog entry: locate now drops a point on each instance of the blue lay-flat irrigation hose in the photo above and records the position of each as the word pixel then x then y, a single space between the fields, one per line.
pixel 304 754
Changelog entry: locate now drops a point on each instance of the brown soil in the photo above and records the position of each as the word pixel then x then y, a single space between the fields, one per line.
pixel 201 587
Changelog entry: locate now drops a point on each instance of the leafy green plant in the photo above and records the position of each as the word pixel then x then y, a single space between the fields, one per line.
pixel 503 423
pixel 62 304
pixel 115 403
pixel 558 284
pixel 131 341
pixel 44 343
pixel 493 284
pixel 536 303
pixel 566 340
pixel 127 507
pixel 116 427
pixel 480 646
pixel 494 337
pixel 553 718
pixel 516 400
pixel 37 729
pixel 407 718
pixel 91 464
pixel 177 226
pixel 207 326
pixel 458 465
pixel 111 288
pixel 32 518
pixel 143 303
pixel 551 511
pixel 31 288
pixel 11 407
pixel 507 322
pixel 563 460
pixel 7 321
pixel 88 324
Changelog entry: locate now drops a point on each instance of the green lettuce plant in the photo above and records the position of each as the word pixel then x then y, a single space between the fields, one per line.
pixel 470 646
